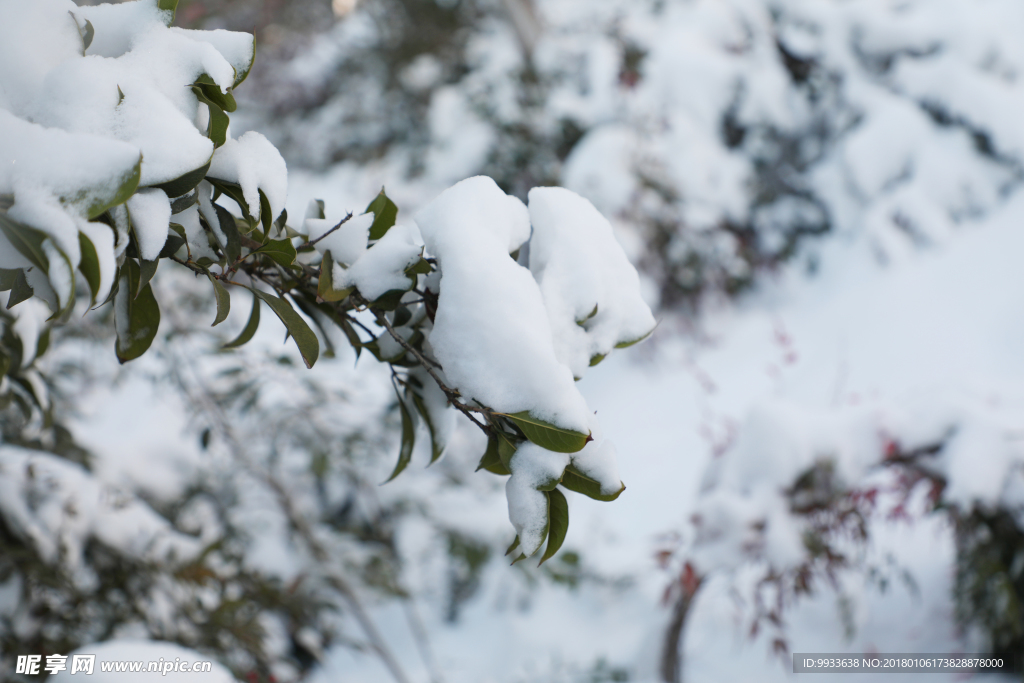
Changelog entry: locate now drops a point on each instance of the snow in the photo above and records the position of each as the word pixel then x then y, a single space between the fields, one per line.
pixel 57 506
pixel 534 469
pixel 254 164
pixel 380 268
pixel 491 332
pixel 346 244
pixel 150 214
pixel 582 270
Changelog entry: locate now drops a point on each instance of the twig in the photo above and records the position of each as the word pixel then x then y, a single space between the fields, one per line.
pixel 453 396
pixel 310 243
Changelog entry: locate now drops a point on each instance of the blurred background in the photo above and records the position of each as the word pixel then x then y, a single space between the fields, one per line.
pixel 822 442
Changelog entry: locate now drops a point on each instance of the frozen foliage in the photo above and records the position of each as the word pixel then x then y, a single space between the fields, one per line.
pixel 254 164
pixel 381 268
pixel 534 470
pixel 38 490
pixel 718 136
pixel 491 331
pixel 590 289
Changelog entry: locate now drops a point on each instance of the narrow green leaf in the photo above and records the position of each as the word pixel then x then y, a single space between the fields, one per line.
pixel 325 287
pixel 574 480
pixel 305 338
pixel 147 269
pixel 222 297
pixel 168 5
pixel 583 321
pixel 506 449
pixel 184 184
pixel 491 460
pixel 43 343
pixel 128 183
pixel 389 300
pixel 28 241
pixel 87 33
pixel 183 202
pixel 250 327
pixel 558 523
pixel 7 278
pixel 353 336
pixel 385 213
pixel 120 95
pixel 233 249
pixel 421 267
pixel 5 362
pixel 21 291
pixel 511 548
pixel 408 439
pixel 217 129
pixel 137 319
pixel 547 435
pixel 234 191
pixel 597 358
pixel 266 213
pixel 89 265
pixel 436 449
pixel 630 342
pixel 212 91
pixel 281 251
pixel 171 246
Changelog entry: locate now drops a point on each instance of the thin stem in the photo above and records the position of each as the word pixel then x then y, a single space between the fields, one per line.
pixel 310 243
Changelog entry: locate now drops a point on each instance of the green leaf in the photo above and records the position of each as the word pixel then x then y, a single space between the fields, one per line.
pixel 183 202
pixel 120 95
pixel 250 327
pixel 506 448
pixel 558 523
pixel 281 251
pixel 137 319
pixel 353 336
pixel 234 191
pixel 89 265
pixel 597 358
pixel 630 342
pixel 389 300
pixel 217 129
pixel 28 241
pixel 436 449
pixel 320 209
pixel 385 213
pixel 43 343
pixel 171 246
pixel 583 321
pixel 5 362
pixel 491 461
pixel 20 291
pixel 547 435
pixel 147 269
pixel 212 91
pixel 168 5
pixel 223 299
pixel 233 249
pixel 408 439
pixel 184 184
pixel 574 480
pixel 126 187
pixel 325 287
pixel 266 213
pixel 305 338
pixel 421 267
pixel 8 276
pixel 511 548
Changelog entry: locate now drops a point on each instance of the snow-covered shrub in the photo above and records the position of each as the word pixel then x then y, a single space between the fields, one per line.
pixel 720 134
pixel 117 156
pixel 790 506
